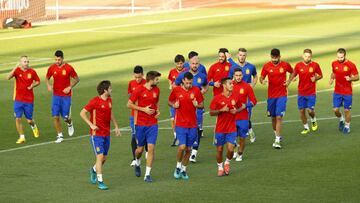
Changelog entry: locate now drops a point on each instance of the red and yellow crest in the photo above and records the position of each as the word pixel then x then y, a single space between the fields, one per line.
pixel 227 68
pixel 192 96
pixel 281 70
pixel 346 68
pixel 242 91
pixel 63 72
pixel 29 75
pixel 311 70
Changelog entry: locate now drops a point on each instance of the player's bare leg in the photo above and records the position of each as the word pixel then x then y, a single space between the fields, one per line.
pixel 34 128
pixel 341 118
pixel 20 130
pixel 303 118
pixel 138 153
pixel 229 155
pixel 241 149
pixel 58 129
pixel 347 113
pixel 219 154
pixel 314 125
pixel 149 162
pixel 278 122
pixel 100 160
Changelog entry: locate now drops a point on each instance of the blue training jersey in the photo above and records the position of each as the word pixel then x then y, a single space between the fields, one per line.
pixel 201 68
pixel 248 70
pixel 199 80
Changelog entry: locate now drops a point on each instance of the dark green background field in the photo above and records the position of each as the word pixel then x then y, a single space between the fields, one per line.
pixel 321 167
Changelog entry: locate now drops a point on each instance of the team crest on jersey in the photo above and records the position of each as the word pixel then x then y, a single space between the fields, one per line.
pixel 63 72
pixel 227 68
pixel 345 68
pixel 311 70
pixel 247 71
pixel 154 95
pixel 199 80
pixel 192 96
pixel 233 102
pixel 29 75
pixel 281 70
pixel 242 91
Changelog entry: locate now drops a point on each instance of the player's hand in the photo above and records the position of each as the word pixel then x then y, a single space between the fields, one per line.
pixel 313 78
pixel 30 87
pixel 94 127
pixel 243 106
pixel 195 103
pixel 228 55
pixel 148 110
pixel 157 114
pixel 50 88
pixel 117 131
pixel 224 109
pixel 331 81
pixel 264 82
pixel 287 83
pixel 233 110
pixel 67 90
pixel 203 90
pixel 347 78
pixel 176 104
pixel 217 84
pixel 295 79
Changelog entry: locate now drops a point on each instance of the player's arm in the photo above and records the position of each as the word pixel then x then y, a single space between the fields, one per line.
pixel 146 109
pixel 254 81
pixel 117 130
pixel 173 101
pixel 83 115
pixel 291 78
pixel 252 97
pixel 352 77
pixel 263 76
pixel 215 112
pixel 48 84
pixel 11 74
pixel 332 78
pixel 75 80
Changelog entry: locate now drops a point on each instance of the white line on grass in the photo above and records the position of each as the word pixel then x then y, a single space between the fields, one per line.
pixel 134 24
pixel 165 120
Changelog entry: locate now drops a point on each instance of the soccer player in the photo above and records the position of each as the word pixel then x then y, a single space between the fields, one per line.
pixel 249 75
pixel 245 94
pixel 145 101
pixel 219 71
pixel 133 84
pixel 100 108
pixel 26 80
pixel 225 106
pixel 309 73
pixel 276 71
pixel 179 67
pixel 64 80
pixel 344 72
pixel 199 81
pixel 186 99
pixel 202 68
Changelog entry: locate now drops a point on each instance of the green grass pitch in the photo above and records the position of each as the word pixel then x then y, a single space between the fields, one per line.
pixel 321 167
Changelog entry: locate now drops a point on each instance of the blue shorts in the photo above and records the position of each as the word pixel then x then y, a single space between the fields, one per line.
pixel 307 102
pixel 199 118
pixel 276 106
pixel 172 112
pixel 242 127
pixel 146 134
pixel 61 106
pixel 340 100
pixel 222 138
pixel 132 126
pixel 100 144
pixel 186 136
pixel 21 108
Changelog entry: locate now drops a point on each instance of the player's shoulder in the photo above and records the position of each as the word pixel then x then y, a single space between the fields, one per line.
pixel 335 62
pixel 67 65
pixel 52 66
pixel 267 64
pixel 250 65
pixel 285 63
pixel 350 63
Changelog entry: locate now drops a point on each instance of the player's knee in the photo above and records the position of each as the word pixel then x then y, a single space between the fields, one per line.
pixel 346 110
pixel 336 110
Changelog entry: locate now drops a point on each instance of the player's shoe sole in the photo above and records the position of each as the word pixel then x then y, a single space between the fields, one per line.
pixel 192 158
pixel 239 158
pixel 20 141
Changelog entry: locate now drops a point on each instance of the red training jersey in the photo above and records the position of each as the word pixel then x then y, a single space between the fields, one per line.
pixel 340 70
pixel 23 79
pixel 133 84
pixel 244 92
pixel 217 72
pixel 173 74
pixel 225 122
pixel 277 77
pixel 306 71
pixel 144 97
pixel 185 115
pixel 100 115
pixel 61 77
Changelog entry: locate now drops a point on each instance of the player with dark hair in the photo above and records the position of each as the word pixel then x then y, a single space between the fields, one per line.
pixel 219 71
